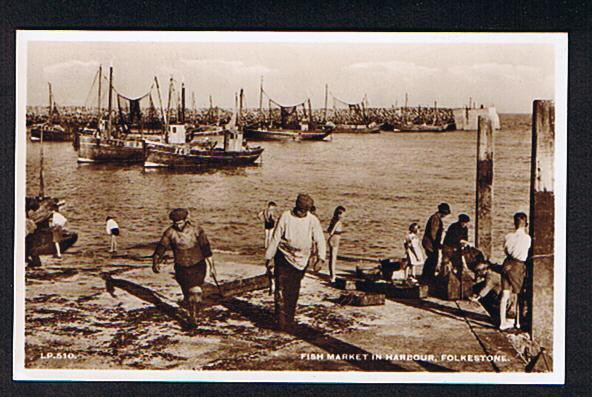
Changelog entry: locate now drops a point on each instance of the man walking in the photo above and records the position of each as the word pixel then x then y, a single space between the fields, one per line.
pixel 192 253
pixel 432 242
pixel 516 247
pixel 290 247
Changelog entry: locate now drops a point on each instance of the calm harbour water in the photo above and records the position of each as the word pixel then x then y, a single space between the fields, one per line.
pixel 385 181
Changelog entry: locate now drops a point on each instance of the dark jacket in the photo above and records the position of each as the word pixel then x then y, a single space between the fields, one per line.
pixel 455 233
pixel 432 237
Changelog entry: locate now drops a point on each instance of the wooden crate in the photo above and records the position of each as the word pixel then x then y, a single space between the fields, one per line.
pixel 359 298
pixel 449 286
pixel 369 274
pixel 405 291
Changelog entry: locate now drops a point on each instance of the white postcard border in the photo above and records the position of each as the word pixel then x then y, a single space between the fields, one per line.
pixel 558 40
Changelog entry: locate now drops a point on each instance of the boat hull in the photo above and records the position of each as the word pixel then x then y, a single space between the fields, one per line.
pixel 41 243
pixel 166 156
pixel 421 128
pixel 356 129
pixel 92 150
pixel 256 134
pixel 51 135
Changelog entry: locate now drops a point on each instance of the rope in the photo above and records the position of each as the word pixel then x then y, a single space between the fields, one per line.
pixel 91 89
pixel 281 105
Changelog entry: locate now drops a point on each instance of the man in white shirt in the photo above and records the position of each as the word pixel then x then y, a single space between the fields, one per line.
pixel 516 247
pixel 58 223
pixel 290 248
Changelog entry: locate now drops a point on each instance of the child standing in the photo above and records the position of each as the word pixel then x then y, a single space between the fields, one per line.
pixel 112 229
pixel 335 230
pixel 268 217
pixel 413 251
pixel 57 224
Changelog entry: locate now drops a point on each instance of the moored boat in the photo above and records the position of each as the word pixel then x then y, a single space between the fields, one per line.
pixel 164 155
pixel 51 130
pixel 256 133
pixel 352 128
pixel 179 154
pixel 105 145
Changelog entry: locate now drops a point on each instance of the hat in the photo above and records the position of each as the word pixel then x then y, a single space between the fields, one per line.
pixel 178 214
pixel 463 218
pixel 444 208
pixel 304 202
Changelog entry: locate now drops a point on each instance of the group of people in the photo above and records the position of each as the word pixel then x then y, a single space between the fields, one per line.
pixel 439 254
pixel 295 241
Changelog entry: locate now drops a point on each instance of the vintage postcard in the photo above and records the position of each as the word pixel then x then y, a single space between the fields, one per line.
pixel 290 207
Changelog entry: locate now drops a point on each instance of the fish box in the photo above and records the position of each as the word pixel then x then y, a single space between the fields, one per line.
pixel 399 290
pixel 406 291
pixel 358 298
pixel 369 274
pixel 449 286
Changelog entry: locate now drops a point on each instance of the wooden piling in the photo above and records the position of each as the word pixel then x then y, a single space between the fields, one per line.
pixel 484 192
pixel 542 227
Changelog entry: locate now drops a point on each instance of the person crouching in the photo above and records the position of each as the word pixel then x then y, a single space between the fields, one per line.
pixel 192 253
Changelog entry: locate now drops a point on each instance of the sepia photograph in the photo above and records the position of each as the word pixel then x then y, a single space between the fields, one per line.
pixel 290 206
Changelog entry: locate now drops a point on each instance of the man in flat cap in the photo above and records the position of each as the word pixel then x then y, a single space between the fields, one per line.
pixel 192 253
pixel 290 248
pixel 432 242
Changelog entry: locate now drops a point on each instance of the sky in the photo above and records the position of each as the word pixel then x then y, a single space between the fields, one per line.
pixel 507 76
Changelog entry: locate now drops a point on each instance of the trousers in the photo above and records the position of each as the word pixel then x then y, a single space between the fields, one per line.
pixel 287 289
pixel 429 267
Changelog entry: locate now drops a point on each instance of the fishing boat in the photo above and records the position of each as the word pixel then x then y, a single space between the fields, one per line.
pixel 293 125
pixel 51 129
pixel 355 112
pixel 257 134
pixel 420 127
pixel 361 128
pixel 40 242
pixel 111 145
pixel 176 152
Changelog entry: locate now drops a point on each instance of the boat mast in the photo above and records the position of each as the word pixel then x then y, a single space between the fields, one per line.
pixel 309 111
pixel 435 112
pixel 41 178
pixel 326 99
pixel 261 97
pixel 193 111
pixel 182 102
pixel 405 115
pixel 99 101
pixel 50 112
pixel 160 101
pixel 240 109
pixel 110 104
pixel 166 135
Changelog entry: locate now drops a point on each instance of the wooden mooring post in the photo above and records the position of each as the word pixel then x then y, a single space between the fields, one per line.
pixel 542 226
pixel 484 192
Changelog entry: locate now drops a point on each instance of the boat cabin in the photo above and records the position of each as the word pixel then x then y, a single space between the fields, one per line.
pixel 176 134
pixel 233 140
